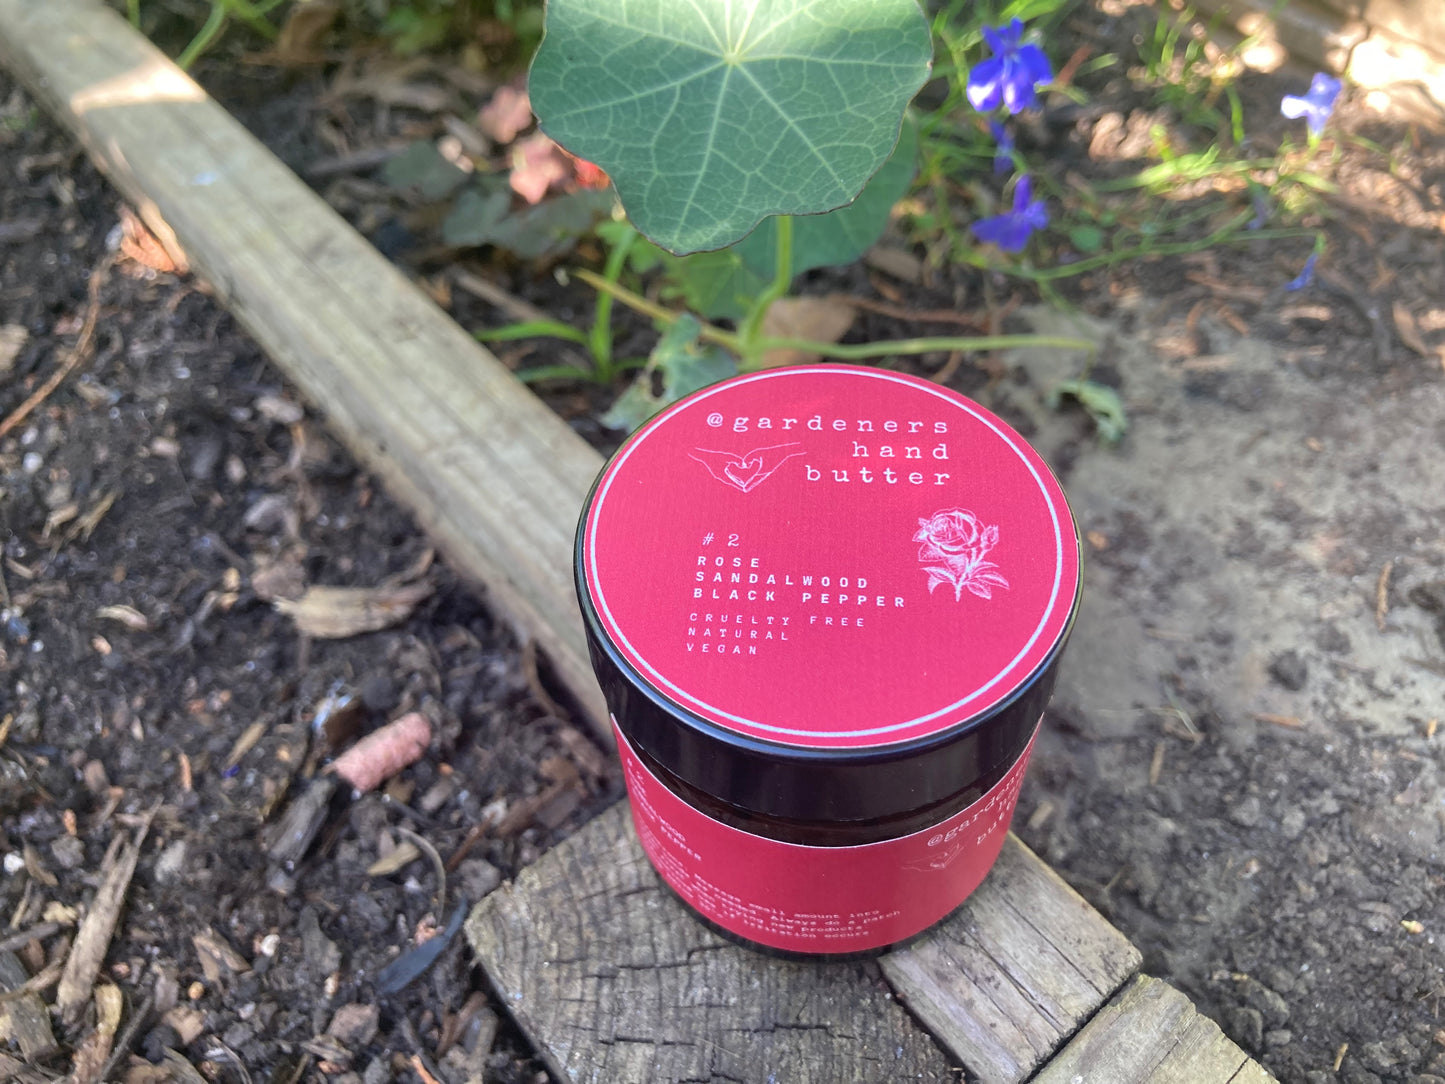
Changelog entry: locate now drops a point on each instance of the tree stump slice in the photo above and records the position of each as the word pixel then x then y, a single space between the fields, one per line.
pixel 1151 1032
pixel 1015 972
pixel 614 982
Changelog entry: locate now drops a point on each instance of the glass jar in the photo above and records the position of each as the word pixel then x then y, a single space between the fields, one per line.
pixel 826 606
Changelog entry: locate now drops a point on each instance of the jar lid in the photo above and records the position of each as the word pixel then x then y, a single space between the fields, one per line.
pixel 820 564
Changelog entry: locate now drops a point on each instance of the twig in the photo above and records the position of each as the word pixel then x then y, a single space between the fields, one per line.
pixel 24 937
pixel 1382 595
pixel 436 860
pixel 78 352
pixel 921 316
pixel 419 1061
pixel 493 294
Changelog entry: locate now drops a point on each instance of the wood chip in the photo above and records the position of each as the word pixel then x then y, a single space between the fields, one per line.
pixel 215 954
pixel 12 340
pixel 82 966
pixel 1156 764
pixel 334 613
pixel 1382 595
pixel 23 1019
pixel 128 616
pixel 1289 722
pixel 403 854
pixel 187 1021
pixel 246 742
pixel 93 1051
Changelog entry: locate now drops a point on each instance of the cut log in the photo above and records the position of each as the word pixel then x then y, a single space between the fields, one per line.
pixel 614 982
pixel 1151 1032
pixel 491 473
pixel 1015 972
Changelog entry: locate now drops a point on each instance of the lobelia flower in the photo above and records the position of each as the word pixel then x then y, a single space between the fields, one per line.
pixel 1315 105
pixel 1003 159
pixel 1012 229
pixel 1010 76
pixel 1306 276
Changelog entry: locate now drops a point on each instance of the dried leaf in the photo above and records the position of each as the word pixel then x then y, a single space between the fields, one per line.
pixel 401 855
pixel 12 340
pixel 334 613
pixel 822 319
pixel 305 26
pixel 1408 331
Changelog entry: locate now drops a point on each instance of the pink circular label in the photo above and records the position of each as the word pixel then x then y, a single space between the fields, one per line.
pixel 831 557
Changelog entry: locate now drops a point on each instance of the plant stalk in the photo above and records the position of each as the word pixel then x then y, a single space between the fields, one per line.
pixel 842 352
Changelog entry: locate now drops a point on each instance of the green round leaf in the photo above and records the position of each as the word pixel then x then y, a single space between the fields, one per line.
pixel 840 236
pixel 710 116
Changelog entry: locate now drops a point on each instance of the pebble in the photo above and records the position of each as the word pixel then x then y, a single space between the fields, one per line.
pixel 1246 1027
pixel 68 852
pixel 1289 670
pixel 1248 812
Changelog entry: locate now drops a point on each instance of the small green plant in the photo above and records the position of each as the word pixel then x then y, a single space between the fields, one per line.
pixel 747 143
pixel 253 13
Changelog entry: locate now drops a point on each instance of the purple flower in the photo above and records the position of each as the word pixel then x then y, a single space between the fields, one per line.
pixel 1316 105
pixel 1011 74
pixel 1003 159
pixel 1306 276
pixel 1012 229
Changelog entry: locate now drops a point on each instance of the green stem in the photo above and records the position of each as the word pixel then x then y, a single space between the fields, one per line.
pixel 928 345
pixel 665 316
pixel 846 352
pixel 599 341
pixel 752 326
pixel 212 27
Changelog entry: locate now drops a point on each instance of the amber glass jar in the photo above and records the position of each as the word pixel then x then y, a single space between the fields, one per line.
pixel 826 606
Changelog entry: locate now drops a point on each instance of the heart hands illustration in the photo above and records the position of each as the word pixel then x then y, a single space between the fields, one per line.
pixel 745 471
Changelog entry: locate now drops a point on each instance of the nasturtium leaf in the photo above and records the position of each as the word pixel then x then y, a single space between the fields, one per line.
pixel 545 231
pixel 711 115
pixel 716 285
pixel 682 363
pixel 421 168
pixel 841 236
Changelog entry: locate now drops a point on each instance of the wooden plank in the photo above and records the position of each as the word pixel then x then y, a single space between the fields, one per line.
pixel 615 983
pixel 492 474
pixel 1151 1032
pixel 1020 968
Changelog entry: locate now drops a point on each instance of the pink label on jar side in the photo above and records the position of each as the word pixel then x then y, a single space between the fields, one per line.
pixel 818 899
pixel 831 557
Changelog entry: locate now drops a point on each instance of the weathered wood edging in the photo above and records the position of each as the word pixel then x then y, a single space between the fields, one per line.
pixel 609 975
pixel 492 473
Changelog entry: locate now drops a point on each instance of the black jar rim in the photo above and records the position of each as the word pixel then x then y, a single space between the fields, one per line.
pixel 774 779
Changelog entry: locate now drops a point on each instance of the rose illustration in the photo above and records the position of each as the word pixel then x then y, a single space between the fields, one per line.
pixel 946 534
pixel 954 550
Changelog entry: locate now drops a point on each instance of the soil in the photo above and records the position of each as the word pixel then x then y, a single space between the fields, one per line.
pixel 1241 767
